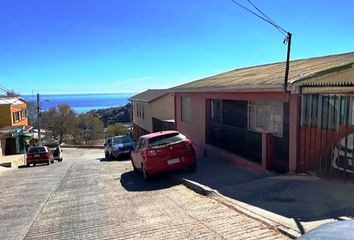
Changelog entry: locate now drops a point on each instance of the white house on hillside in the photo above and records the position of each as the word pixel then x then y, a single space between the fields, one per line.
pixel 153 110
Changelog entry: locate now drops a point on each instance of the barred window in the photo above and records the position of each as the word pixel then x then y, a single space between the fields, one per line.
pixel 266 117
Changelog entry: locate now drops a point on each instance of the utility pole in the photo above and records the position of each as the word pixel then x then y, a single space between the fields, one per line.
pixel 288 40
pixel 260 14
pixel 38 121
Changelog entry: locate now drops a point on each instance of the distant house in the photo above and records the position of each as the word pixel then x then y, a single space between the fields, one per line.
pixel 153 110
pixel 248 117
pixel 13 112
pixel 13 123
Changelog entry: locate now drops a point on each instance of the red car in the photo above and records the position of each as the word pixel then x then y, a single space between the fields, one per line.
pixel 162 151
pixel 39 154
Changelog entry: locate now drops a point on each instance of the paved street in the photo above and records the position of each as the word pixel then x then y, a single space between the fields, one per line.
pixel 85 197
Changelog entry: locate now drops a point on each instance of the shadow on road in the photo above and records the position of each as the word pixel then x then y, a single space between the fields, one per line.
pixel 300 197
pixel 120 159
pixel 134 182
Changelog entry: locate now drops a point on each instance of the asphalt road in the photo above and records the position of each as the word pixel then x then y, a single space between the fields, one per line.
pixel 86 197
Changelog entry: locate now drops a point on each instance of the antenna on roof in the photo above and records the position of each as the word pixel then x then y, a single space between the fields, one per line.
pixel 285 33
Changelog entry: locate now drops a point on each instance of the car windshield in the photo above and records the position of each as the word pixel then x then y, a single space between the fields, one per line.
pixel 37 150
pixel 166 139
pixel 121 140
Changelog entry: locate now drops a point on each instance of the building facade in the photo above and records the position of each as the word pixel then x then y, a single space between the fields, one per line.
pixel 13 112
pixel 152 110
pixel 247 116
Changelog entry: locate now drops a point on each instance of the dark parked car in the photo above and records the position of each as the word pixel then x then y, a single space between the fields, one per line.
pixel 39 154
pixel 118 146
pixel 56 150
pixel 163 151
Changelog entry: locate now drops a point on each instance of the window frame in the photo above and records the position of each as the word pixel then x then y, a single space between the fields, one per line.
pixel 186 109
pixel 263 115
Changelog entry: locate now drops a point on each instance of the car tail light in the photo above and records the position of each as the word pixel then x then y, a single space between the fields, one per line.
pixel 151 153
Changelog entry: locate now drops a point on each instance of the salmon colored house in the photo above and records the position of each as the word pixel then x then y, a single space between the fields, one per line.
pixel 250 117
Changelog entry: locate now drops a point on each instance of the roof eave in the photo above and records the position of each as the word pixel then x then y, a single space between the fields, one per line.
pixel 240 88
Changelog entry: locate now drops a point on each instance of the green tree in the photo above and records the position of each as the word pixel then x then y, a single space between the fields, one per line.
pixel 116 129
pixel 90 127
pixel 32 114
pixel 60 120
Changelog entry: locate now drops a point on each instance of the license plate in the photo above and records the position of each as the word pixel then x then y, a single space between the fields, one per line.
pixel 36 155
pixel 173 161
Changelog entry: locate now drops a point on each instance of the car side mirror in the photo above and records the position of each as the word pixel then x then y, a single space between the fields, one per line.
pixel 105 145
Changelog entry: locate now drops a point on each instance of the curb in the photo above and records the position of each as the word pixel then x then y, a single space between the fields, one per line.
pixel 234 204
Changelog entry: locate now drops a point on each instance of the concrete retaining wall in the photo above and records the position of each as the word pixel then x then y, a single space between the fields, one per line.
pixel 13 161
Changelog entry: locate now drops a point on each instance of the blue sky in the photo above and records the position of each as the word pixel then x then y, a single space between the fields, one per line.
pixel 87 46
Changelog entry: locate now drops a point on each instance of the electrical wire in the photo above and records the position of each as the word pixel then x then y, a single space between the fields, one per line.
pixel 264 17
pixel 280 29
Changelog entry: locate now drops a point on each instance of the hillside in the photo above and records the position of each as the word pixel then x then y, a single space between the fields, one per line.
pixel 114 115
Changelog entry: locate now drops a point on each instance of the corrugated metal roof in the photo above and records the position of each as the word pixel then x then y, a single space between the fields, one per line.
pixel 11 100
pixel 269 75
pixel 149 95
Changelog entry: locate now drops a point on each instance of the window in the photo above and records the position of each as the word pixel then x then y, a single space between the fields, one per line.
pixel 331 112
pixel 23 113
pixel 344 109
pixel 186 110
pixel 216 110
pixel 143 114
pixel 266 117
pixel 141 144
pixel 309 110
pixel 16 117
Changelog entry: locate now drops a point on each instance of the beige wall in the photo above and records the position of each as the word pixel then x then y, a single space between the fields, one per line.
pixel 146 122
pixel 6 118
pixel 163 108
pixel 14 160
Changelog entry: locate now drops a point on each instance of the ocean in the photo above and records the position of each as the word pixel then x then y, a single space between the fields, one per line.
pixel 81 102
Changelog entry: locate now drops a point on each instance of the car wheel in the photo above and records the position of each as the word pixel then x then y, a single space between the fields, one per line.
pixel 34 164
pixel 52 161
pixel 106 155
pixel 61 159
pixel 28 164
pixel 48 162
pixel 145 174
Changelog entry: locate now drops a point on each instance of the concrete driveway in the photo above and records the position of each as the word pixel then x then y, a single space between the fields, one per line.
pixel 299 201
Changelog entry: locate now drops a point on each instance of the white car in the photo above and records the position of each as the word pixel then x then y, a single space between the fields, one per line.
pixel 343 154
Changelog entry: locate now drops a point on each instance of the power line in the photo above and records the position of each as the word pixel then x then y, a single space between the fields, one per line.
pixel 280 29
pixel 264 17
pixel 2 87
pixel 287 35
